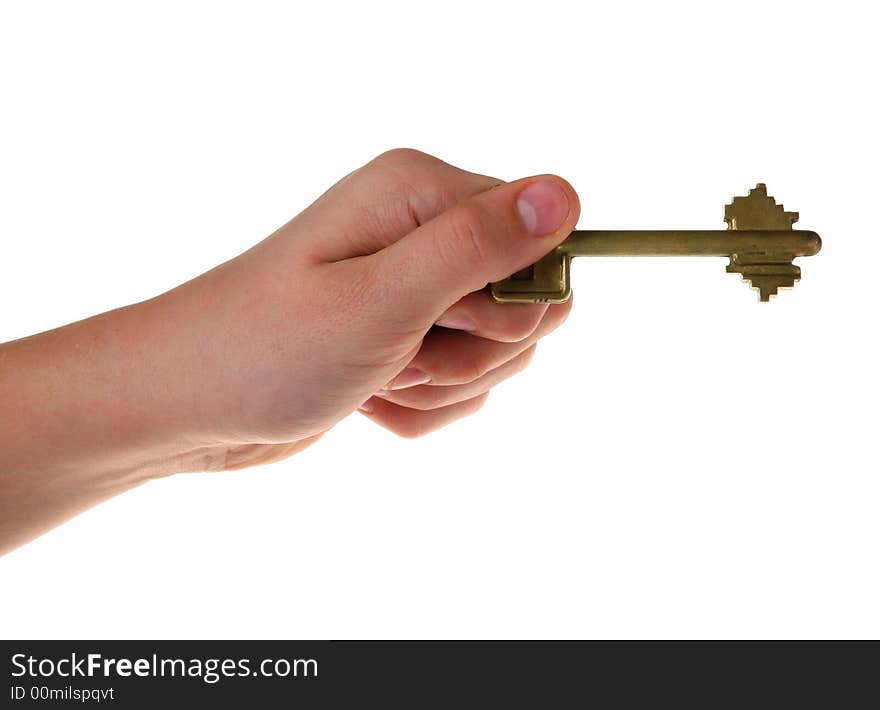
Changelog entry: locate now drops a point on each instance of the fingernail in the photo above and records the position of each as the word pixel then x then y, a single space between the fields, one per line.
pixel 366 407
pixel 410 377
pixel 458 322
pixel 542 206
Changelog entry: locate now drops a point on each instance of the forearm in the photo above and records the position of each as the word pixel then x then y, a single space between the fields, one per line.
pixel 90 410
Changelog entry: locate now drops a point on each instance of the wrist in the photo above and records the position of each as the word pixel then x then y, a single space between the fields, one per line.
pixel 168 397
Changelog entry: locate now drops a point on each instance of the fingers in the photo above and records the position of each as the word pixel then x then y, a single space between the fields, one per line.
pixel 449 357
pixel 484 238
pixel 460 369
pixel 478 314
pixel 435 396
pixel 411 423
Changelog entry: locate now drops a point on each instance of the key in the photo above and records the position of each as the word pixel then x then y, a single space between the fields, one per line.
pixel 759 241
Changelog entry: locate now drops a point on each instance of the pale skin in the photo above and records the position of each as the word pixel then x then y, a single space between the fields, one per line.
pixel 370 300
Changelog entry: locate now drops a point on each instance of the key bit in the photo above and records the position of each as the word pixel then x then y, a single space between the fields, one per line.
pixel 759 241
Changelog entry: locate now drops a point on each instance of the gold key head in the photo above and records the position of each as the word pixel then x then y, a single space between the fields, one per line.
pixel 766 267
pixel 758 211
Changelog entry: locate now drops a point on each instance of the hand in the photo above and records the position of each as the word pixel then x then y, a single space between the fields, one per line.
pixel 374 298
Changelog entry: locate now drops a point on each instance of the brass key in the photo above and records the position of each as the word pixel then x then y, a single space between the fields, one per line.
pixel 759 240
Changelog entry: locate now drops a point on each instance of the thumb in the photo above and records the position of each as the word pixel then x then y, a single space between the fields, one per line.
pixel 482 239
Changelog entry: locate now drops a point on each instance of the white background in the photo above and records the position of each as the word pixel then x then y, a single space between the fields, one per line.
pixel 679 461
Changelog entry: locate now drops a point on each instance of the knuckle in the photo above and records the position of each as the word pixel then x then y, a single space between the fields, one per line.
pixel 401 156
pixel 474 368
pixel 411 428
pixel 566 307
pixel 556 316
pixel 478 402
pixel 465 242
pixel 525 358
pixel 461 369
pixel 520 329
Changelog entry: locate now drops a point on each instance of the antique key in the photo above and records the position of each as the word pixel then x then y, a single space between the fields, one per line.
pixel 759 240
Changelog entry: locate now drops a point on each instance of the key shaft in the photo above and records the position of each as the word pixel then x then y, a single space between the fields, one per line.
pixel 762 256
pixel 789 243
pixel 759 242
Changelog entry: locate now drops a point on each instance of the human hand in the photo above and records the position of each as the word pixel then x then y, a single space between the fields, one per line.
pixel 371 298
